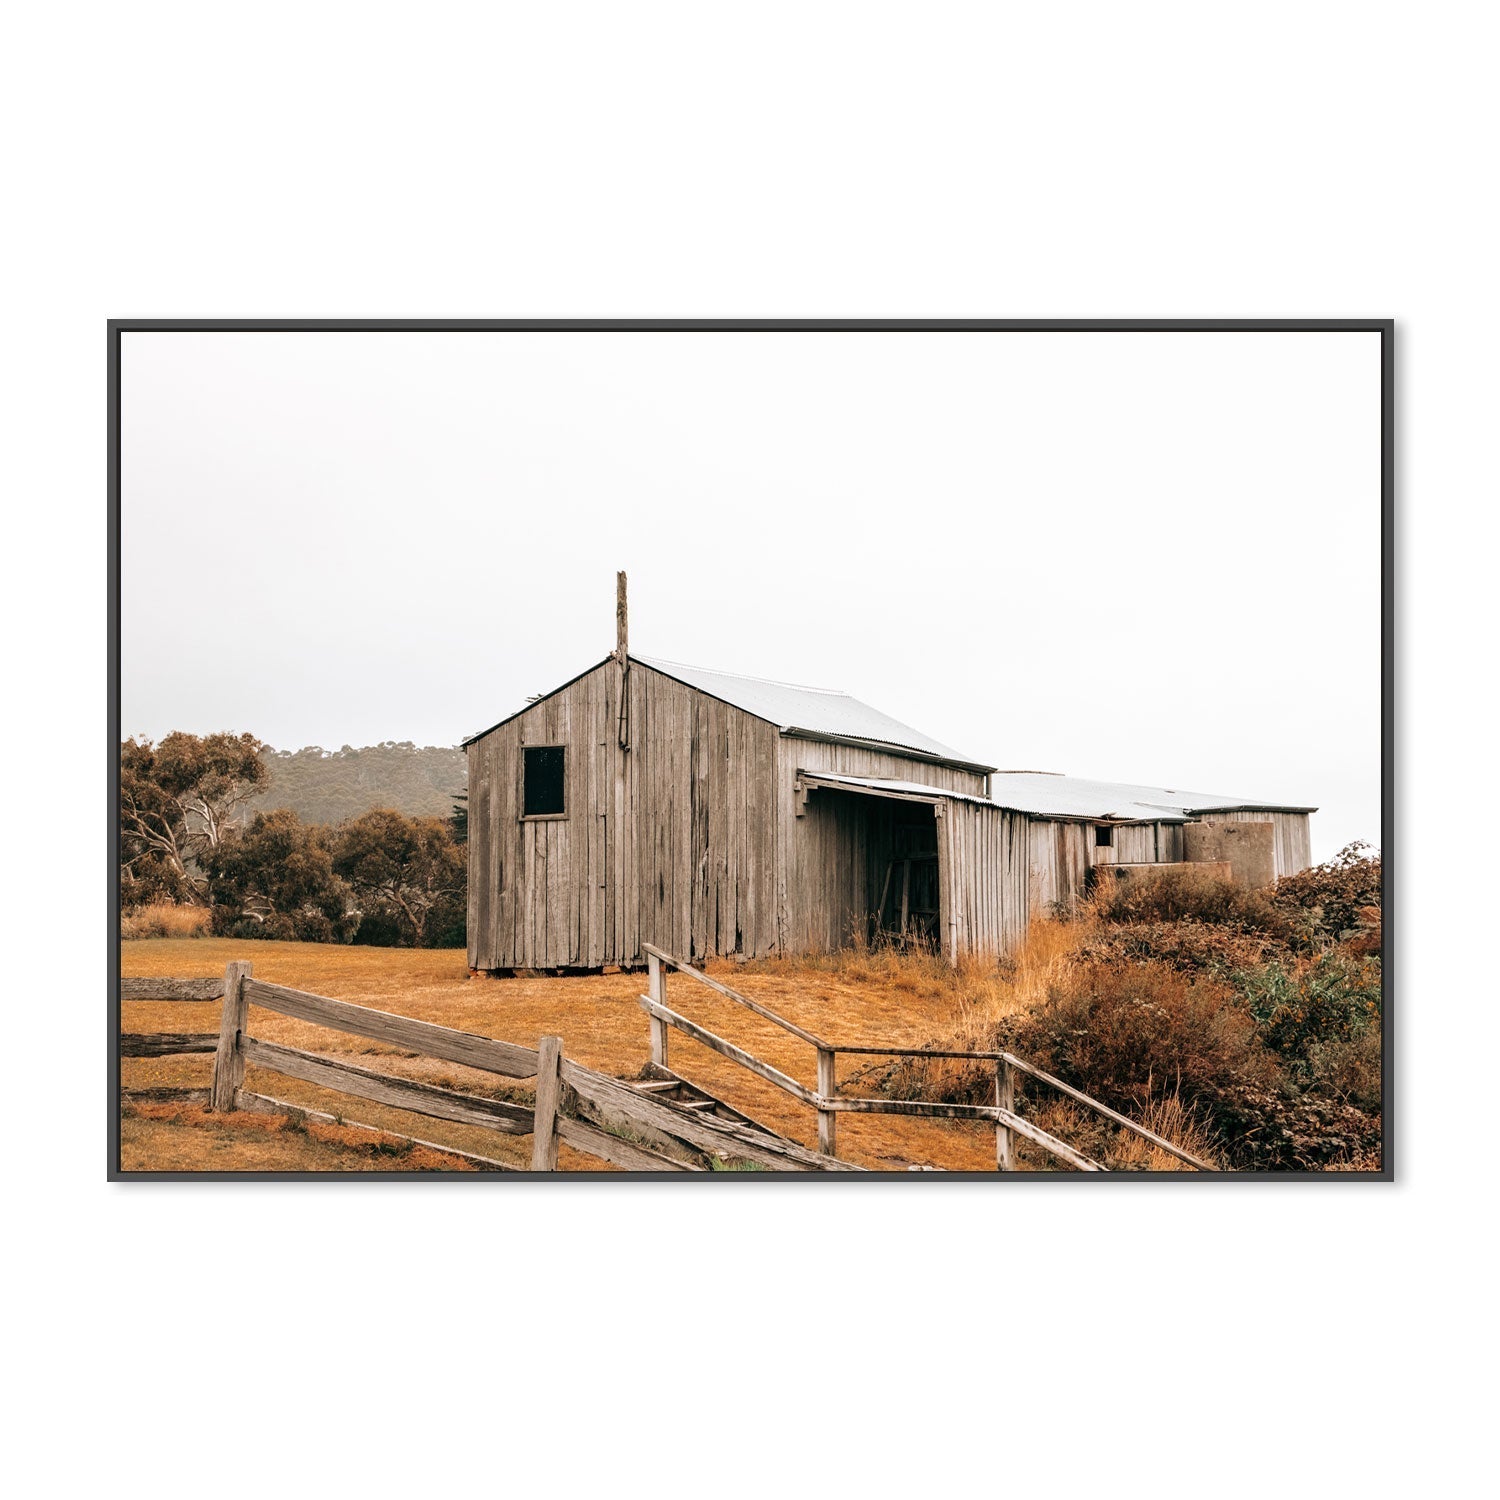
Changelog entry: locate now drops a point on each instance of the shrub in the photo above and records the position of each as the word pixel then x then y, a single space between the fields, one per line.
pixel 1133 1037
pixel 384 926
pixel 1128 1035
pixel 1349 1070
pixel 1190 896
pixel 165 920
pixel 1189 946
pixel 150 879
pixel 448 922
pixel 1245 1023
pixel 1332 998
pixel 1171 1119
pixel 405 872
pixel 378 929
pixel 241 927
pixel 1282 1131
pixel 275 879
pixel 1338 899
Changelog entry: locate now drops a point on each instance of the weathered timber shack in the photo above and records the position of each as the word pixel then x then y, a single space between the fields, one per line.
pixel 714 815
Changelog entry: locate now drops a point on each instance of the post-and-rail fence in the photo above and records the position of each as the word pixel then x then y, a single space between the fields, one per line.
pixel 830 1103
pixel 234 1047
pixel 586 1110
pixel 598 1115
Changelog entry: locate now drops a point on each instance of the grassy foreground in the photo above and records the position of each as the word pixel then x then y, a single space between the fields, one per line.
pixel 871 999
pixel 1243 1025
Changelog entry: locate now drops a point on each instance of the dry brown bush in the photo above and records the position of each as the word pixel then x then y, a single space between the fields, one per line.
pixel 1130 1035
pixel 164 920
pixel 1349 1070
pixel 1176 895
pixel 1189 946
pixel 1338 898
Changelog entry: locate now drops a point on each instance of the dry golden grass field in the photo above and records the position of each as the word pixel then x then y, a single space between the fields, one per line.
pixel 854 998
pixel 597 1016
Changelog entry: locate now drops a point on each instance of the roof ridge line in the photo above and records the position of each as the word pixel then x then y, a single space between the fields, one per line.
pixel 801 687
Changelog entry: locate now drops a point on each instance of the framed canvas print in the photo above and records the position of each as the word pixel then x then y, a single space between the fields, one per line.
pixel 736 750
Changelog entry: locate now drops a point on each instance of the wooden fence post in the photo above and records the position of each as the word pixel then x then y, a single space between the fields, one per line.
pixel 1005 1097
pixel 229 1057
pixel 827 1118
pixel 548 1094
pixel 656 985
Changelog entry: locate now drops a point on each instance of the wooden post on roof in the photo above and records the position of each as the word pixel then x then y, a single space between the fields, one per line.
pixel 622 655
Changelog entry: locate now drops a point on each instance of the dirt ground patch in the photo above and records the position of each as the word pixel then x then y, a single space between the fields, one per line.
pixel 597 1016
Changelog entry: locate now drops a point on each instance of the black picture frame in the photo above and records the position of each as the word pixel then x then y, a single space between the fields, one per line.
pixel 1385 327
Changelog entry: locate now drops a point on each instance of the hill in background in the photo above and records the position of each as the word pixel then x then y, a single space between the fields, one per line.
pixel 327 786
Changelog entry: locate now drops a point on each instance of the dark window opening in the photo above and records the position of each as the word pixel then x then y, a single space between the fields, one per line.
pixel 544 794
pixel 1104 836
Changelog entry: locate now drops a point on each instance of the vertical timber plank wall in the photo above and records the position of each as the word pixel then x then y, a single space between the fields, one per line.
pixel 1134 844
pixel 1059 863
pixel 671 842
pixel 855 760
pixel 987 890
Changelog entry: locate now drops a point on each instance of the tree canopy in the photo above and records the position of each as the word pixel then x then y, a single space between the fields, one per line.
pixel 278 874
pixel 401 869
pixel 178 799
pixel 190 833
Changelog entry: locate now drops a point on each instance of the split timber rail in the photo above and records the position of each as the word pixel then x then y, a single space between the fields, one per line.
pixel 829 1103
pixel 591 1112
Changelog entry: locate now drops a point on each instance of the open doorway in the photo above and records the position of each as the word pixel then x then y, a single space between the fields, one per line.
pixel 903 872
pixel 866 864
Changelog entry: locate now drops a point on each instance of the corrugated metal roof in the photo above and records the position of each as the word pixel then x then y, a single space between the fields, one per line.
pixel 1052 796
pixel 817 713
pixel 1047 796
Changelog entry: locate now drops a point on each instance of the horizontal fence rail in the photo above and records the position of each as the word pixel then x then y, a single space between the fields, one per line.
pixel 829 1103
pixel 166 1043
pixel 171 989
pixel 729 1050
pixel 426 1037
pixel 169 1043
pixel 398 1093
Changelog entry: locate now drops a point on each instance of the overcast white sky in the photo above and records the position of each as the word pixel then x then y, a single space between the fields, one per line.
pixel 1138 557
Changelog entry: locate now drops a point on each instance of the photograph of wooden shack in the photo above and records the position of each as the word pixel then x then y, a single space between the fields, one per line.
pixel 715 815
